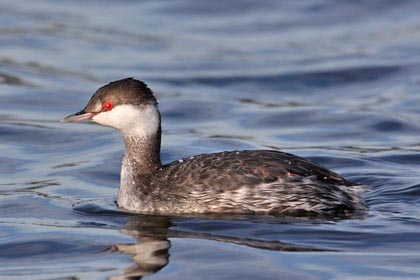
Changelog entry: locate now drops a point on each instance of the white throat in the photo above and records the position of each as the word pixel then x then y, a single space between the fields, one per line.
pixel 132 120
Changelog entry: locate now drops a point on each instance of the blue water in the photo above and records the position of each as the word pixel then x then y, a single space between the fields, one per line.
pixel 334 81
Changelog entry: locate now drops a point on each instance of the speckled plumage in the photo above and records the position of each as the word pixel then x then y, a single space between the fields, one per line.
pixel 247 182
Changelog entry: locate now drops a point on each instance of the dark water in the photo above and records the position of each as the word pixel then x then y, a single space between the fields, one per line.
pixel 336 82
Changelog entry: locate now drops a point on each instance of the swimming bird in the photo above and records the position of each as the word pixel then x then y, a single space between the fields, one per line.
pixel 243 182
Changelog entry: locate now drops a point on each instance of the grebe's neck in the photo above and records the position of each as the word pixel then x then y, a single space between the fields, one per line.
pixel 140 125
pixel 141 160
pixel 143 152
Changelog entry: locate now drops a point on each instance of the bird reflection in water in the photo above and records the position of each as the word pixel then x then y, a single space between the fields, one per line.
pixel 151 252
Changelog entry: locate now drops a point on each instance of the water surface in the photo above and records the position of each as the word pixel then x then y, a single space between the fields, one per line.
pixel 335 82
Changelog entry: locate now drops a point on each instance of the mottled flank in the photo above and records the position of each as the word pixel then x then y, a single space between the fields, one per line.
pixel 263 182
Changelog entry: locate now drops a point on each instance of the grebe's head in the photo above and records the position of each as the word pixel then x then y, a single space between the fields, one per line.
pixel 127 105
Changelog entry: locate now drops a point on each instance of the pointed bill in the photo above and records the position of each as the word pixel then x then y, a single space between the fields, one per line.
pixel 79 117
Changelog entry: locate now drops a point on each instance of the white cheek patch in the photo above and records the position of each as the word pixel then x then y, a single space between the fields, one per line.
pixel 105 118
pixel 131 120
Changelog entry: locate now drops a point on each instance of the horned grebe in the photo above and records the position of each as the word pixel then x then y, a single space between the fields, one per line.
pixel 245 182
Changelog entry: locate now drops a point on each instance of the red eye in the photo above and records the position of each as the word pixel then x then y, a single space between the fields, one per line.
pixel 107 106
